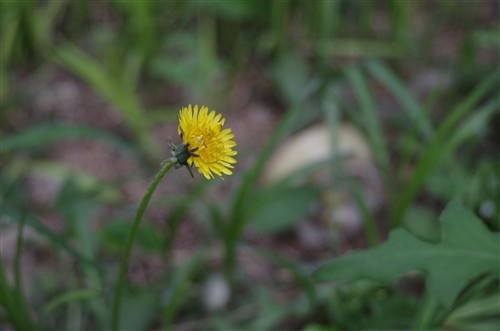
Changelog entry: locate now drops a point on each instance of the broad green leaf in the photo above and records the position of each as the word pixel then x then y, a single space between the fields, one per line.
pixel 467 249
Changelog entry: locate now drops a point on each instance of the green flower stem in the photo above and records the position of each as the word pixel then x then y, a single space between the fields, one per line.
pixel 130 240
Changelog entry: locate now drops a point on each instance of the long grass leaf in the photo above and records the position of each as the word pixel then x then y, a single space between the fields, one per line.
pixel 43 21
pixel 111 89
pixel 370 119
pixel 43 135
pixel 301 276
pixel 178 286
pixel 238 214
pixel 15 308
pixel 408 102
pixel 17 259
pixel 440 145
pixel 68 297
pixel 59 241
pixel 92 275
pixel 369 223
pixel 60 172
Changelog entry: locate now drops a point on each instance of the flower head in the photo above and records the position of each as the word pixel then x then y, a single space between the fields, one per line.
pixel 205 144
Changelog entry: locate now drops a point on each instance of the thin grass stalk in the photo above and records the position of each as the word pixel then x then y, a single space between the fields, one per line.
pixel 404 96
pixel 207 44
pixel 369 223
pixel 369 110
pixel 280 11
pixel 17 259
pixel 92 276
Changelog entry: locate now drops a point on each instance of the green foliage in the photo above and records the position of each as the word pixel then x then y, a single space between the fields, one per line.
pixel 113 89
pixel 369 113
pixel 59 241
pixel 44 135
pixel 443 142
pixel 476 314
pixel 467 250
pixel 408 102
pixel 12 300
pixel 112 234
pixel 365 305
pixel 425 101
pixel 270 211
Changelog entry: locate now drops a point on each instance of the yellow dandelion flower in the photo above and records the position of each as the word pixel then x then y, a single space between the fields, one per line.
pixel 205 144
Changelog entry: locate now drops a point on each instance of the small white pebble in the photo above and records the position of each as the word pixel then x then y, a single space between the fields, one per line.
pixel 487 208
pixel 215 293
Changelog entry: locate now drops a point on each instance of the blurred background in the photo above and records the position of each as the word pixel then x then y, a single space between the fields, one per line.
pixel 351 117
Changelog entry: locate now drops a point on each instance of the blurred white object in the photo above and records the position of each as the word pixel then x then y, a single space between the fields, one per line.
pixel 314 145
pixel 215 293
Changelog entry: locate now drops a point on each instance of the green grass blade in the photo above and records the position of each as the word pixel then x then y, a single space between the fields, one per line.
pixel 178 212
pixel 302 278
pixel 279 17
pixel 238 212
pixel 475 310
pixel 427 312
pixel 43 21
pixel 10 25
pixel 407 100
pixel 60 172
pixel 68 297
pixel 143 23
pixel 252 175
pixel 45 134
pixel 179 284
pixel 400 12
pixel 370 119
pixel 442 144
pixel 110 88
pixel 369 223
pixel 474 123
pixel 92 275
pixel 17 311
pixel 58 241
pixel 17 259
